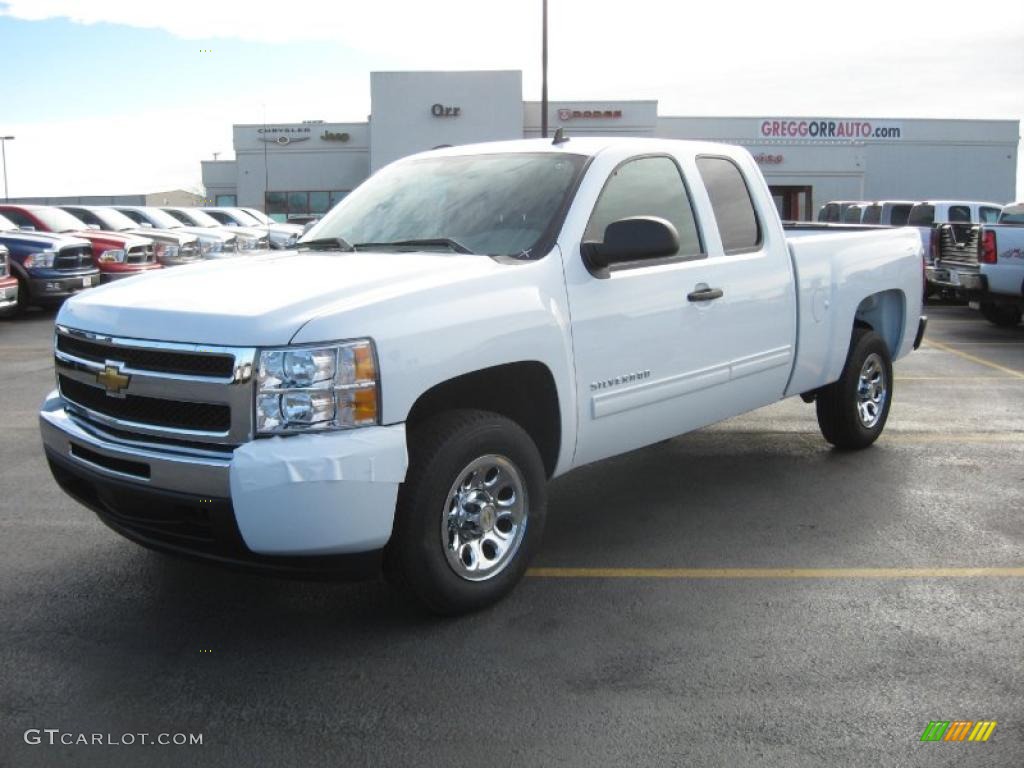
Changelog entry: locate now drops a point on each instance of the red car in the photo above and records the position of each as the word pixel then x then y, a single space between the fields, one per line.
pixel 117 255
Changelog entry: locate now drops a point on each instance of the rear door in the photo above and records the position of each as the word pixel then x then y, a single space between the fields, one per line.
pixel 666 346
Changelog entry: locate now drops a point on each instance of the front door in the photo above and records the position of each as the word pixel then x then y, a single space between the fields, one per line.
pixel 658 352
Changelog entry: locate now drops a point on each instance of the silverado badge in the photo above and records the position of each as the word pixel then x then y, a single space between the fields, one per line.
pixel 113 380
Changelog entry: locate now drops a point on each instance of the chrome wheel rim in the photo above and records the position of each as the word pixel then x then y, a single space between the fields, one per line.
pixel 872 391
pixel 484 518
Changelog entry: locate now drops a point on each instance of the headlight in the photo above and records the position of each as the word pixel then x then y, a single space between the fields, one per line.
pixel 316 388
pixel 231 246
pixel 114 254
pixel 41 260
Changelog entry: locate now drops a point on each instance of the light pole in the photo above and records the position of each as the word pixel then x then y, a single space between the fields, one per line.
pixel 3 150
pixel 544 74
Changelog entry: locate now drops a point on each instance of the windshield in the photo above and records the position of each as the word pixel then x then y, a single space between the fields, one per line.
pixel 114 220
pixel 157 218
pixel 492 204
pixel 196 217
pixel 56 220
pixel 1012 214
pixel 259 216
pixel 922 216
pixel 6 224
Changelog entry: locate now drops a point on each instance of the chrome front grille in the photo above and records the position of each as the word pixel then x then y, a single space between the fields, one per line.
pixel 3 262
pixel 140 254
pixel 74 257
pixel 182 393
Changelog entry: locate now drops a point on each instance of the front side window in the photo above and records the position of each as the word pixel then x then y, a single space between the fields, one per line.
pixel 852 215
pixel 872 215
pixel 829 213
pixel 647 186
pixel 732 204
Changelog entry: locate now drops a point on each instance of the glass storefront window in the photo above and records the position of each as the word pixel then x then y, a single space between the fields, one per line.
pixel 298 202
pixel 228 201
pixel 319 202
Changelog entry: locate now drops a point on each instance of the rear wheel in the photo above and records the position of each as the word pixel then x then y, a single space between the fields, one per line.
pixel 852 411
pixel 1003 315
pixel 470 513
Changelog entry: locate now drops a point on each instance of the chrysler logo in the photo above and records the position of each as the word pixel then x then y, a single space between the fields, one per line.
pixel 113 380
pixel 284 141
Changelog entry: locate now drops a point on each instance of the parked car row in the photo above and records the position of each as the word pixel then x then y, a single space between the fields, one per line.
pixel 52 252
pixel 983 263
pixel 928 216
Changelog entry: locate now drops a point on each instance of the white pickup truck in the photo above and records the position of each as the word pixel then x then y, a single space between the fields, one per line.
pixel 984 264
pixel 468 323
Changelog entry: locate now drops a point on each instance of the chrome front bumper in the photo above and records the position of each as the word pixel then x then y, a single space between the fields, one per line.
pixel 203 473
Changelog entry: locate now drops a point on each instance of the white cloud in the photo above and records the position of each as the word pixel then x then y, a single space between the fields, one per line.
pixel 873 58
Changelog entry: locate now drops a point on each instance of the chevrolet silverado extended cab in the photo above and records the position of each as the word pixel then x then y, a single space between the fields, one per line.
pixel 49 268
pixel 467 323
pixel 281 236
pixel 213 244
pixel 984 264
pixel 116 255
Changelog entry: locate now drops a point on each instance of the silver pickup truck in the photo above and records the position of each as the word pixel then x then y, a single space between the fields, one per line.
pixel 984 264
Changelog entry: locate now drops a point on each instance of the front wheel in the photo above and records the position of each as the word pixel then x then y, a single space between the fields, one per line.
pixel 1003 315
pixel 852 411
pixel 470 513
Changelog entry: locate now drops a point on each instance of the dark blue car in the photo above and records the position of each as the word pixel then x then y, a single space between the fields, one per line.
pixel 48 267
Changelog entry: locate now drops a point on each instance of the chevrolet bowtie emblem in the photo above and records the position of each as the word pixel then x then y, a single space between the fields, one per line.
pixel 113 380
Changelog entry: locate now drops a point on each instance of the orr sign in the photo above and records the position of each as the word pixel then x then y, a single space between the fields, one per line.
pixel 829 128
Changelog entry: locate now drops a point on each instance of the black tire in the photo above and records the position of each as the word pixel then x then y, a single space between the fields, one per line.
pixel 837 404
pixel 440 449
pixel 1003 315
pixel 22 304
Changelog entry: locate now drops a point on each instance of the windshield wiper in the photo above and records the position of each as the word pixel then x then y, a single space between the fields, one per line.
pixel 447 242
pixel 327 242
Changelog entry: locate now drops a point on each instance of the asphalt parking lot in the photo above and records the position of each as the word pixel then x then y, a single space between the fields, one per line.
pixel 739 596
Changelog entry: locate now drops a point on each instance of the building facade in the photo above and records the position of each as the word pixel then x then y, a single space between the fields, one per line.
pixel 306 167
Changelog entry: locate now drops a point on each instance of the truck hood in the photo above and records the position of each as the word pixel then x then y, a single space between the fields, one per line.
pixel 43 240
pixel 175 236
pixel 259 301
pixel 109 239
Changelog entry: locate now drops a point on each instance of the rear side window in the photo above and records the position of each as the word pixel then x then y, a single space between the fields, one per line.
pixel 852 215
pixel 647 186
pixel 732 204
pixel 899 215
pixel 922 216
pixel 959 214
pixel 872 215
pixel 990 215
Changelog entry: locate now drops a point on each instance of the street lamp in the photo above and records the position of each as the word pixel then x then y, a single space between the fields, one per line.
pixel 3 150
pixel 544 73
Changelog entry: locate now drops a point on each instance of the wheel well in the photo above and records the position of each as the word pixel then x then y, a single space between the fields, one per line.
pixel 524 392
pixel 884 313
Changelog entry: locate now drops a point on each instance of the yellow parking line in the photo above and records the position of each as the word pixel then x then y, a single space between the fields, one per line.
pixel 955 379
pixel 775 573
pixel 975 359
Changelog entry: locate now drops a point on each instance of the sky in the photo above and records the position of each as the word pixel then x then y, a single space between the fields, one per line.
pixel 127 96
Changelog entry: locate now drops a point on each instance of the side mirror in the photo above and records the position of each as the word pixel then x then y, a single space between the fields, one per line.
pixel 633 239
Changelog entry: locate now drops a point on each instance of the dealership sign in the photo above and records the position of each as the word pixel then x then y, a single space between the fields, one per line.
pixel 589 114
pixel 826 128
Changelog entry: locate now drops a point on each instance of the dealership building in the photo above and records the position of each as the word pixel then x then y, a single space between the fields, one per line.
pixel 305 167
